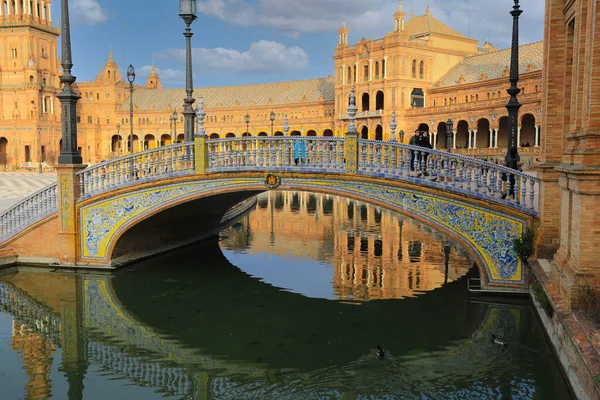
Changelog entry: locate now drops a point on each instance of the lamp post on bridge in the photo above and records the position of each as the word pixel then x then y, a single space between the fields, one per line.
pixel 393 126
pixel 247 119
pixel 187 12
pixel 131 79
pixel 200 115
pixel 449 134
pixel 69 154
pixel 286 125
pixel 272 118
pixel 513 106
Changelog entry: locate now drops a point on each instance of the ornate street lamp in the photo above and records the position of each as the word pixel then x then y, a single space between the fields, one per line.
pixel 118 140
pixel 187 12
pixel 449 134
pixel 272 118
pixel 352 109
pixel 174 117
pixel 131 79
pixel 513 106
pixel 247 119
pixel 69 154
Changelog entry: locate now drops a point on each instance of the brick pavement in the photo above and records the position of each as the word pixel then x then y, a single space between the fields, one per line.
pixel 15 186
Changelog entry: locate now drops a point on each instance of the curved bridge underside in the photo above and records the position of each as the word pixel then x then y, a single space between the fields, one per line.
pixel 487 229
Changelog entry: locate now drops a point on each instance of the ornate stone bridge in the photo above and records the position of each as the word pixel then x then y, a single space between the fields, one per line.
pixel 144 203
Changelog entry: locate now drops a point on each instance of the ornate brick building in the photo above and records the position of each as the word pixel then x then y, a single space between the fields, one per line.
pixel 424 71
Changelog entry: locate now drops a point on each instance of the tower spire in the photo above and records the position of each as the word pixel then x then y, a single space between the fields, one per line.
pixel 343 32
pixel 399 17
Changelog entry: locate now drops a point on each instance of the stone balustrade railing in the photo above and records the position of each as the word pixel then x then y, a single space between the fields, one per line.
pixel 276 154
pixel 145 166
pixel 28 211
pixel 390 160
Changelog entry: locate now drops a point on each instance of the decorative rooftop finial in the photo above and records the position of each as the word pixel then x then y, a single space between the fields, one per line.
pixel 343 22
pixel 427 12
pixel 393 127
pixel 352 111
pixel 412 13
pixel 200 114
pixel 400 8
pixel 286 126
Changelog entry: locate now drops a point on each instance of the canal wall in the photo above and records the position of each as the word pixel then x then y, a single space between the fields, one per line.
pixel 569 334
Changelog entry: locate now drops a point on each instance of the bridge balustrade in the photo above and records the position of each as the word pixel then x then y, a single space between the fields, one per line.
pixel 276 154
pixel 28 211
pixel 149 165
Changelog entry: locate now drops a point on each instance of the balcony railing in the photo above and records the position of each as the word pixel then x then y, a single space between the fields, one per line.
pixel 364 114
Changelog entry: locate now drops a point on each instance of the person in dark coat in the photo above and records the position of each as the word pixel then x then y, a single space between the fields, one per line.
pixel 414 141
pixel 424 142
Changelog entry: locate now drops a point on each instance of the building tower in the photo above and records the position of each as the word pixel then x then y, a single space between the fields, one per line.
pixel 153 79
pixel 399 17
pixel 30 66
pixel 111 69
pixel 343 32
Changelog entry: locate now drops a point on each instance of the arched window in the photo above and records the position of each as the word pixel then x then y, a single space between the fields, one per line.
pixel 414 68
pixel 422 69
pixel 108 74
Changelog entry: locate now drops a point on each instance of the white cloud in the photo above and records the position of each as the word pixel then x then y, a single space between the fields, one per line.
pixel 88 12
pixel 262 57
pixel 490 20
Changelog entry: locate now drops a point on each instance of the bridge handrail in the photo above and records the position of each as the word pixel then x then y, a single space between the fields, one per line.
pixel 28 211
pixel 145 166
pixel 450 171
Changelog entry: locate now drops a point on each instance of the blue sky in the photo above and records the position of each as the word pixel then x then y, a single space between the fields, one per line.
pixel 251 41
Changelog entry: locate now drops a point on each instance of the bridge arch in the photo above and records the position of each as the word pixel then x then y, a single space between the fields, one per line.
pixel 488 233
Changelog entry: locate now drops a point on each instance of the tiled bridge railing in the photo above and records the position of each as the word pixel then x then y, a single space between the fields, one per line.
pixel 336 156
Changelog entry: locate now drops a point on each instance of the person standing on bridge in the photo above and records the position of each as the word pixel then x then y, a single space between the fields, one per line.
pixel 424 142
pixel 414 141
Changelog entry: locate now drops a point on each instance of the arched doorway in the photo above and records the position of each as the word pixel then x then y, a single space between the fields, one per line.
pixel 441 137
pixel 483 134
pixel 462 135
pixel 503 133
pixel 379 133
pixel 295 133
pixel 180 138
pixel 379 103
pixel 165 140
pixel 262 134
pixel 215 136
pixel 149 142
pixel 327 132
pixel 231 135
pixel 364 132
pixel 311 133
pixel 3 151
pixel 527 130
pixel 115 144
pixel 246 134
pixel 365 102
pixel 278 133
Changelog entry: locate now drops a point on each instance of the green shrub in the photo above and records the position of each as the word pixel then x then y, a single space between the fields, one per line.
pixel 524 245
pixel 542 298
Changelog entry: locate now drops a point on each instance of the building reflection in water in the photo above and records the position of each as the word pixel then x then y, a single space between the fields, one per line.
pixel 375 253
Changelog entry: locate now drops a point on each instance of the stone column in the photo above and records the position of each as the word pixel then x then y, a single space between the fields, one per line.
pixel 474 139
pixel 356 72
pixel 537 136
pixel 470 139
pixel 454 139
pixel 491 139
pixel 68 224
pixel 385 59
pixel 370 69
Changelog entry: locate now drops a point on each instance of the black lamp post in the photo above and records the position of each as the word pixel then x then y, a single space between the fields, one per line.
pixel 131 79
pixel 449 134
pixel 247 119
pixel 118 140
pixel 272 118
pixel 69 154
pixel 513 106
pixel 187 12
pixel 174 120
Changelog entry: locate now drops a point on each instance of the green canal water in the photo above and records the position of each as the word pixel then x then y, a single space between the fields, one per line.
pixel 289 303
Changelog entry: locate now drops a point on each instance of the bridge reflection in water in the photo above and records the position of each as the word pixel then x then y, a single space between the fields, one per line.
pixel 190 325
pixel 372 253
